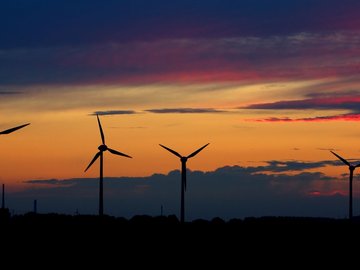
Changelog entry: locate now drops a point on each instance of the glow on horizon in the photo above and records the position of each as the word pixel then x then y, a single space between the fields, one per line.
pixel 60 143
pixel 63 136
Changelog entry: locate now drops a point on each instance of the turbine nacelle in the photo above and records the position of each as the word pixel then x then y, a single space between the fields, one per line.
pixel 103 148
pixel 182 158
pixel 351 167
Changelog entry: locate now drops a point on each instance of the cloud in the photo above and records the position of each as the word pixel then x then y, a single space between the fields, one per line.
pixel 227 192
pixel 319 101
pixel 160 111
pixel 114 112
pixel 341 117
pixel 9 93
pixel 89 22
pixel 186 41
pixel 326 103
pixel 53 182
pixel 286 166
pixel 185 110
pixel 185 60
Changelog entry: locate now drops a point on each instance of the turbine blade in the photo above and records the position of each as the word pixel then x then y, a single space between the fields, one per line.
pixel 342 159
pixel 13 129
pixel 118 153
pixel 93 160
pixel 101 130
pixel 197 151
pixel 357 165
pixel 171 151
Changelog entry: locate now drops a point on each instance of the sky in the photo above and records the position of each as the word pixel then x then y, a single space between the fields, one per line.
pixel 268 83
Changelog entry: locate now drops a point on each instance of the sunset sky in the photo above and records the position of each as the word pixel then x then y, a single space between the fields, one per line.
pixel 272 85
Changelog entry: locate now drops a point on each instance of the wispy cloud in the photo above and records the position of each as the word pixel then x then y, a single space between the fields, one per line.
pixel 52 182
pixel 320 102
pixel 9 93
pixel 293 165
pixel 189 41
pixel 327 103
pixel 123 21
pixel 114 112
pixel 185 110
pixel 303 56
pixel 341 117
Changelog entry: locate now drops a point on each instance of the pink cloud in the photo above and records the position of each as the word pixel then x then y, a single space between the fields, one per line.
pixel 335 102
pixel 341 117
pixel 318 193
pixel 301 56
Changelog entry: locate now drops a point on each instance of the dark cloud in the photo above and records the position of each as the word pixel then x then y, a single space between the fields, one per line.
pixel 238 59
pixel 228 192
pixel 342 94
pixel 138 41
pixel 340 117
pixel 160 111
pixel 285 166
pixel 63 22
pixel 53 182
pixel 114 112
pixel 9 93
pixel 322 103
pixel 185 110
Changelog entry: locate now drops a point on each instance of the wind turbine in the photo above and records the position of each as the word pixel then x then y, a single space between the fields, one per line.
pixel 7 131
pixel 183 176
pixel 10 130
pixel 102 148
pixel 351 169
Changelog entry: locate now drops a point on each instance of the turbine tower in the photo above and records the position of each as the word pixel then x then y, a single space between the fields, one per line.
pixel 351 169
pixel 102 148
pixel 3 197
pixel 183 160
pixel 12 129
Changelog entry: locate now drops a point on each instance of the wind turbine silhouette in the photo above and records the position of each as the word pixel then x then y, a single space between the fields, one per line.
pixel 183 176
pixel 102 148
pixel 351 169
pixel 10 130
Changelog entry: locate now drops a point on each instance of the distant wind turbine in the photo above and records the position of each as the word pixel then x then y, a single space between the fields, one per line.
pixel 12 129
pixel 351 169
pixel 7 131
pixel 102 148
pixel 183 176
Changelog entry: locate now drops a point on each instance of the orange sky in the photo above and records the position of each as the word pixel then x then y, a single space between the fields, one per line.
pixel 63 137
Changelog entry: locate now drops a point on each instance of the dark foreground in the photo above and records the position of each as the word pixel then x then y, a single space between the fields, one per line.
pixel 143 223
pixel 273 241
pixel 31 219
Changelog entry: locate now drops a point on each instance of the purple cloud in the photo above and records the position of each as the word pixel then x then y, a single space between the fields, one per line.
pixel 185 110
pixel 114 112
pixel 341 117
